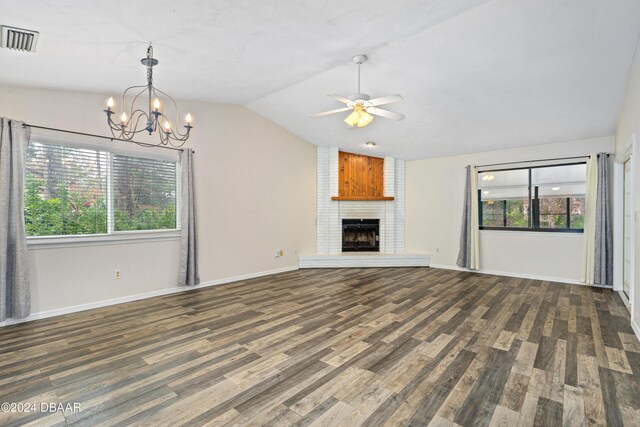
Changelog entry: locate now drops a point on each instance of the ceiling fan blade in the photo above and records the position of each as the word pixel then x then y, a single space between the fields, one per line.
pixel 384 113
pixel 340 98
pixel 326 113
pixel 386 100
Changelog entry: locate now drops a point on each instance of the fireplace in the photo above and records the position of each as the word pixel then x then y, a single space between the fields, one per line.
pixel 360 235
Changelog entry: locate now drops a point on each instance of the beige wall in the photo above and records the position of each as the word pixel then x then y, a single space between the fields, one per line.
pixel 628 130
pixel 256 193
pixel 435 189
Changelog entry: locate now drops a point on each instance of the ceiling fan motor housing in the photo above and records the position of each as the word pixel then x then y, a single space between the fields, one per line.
pixel 359 97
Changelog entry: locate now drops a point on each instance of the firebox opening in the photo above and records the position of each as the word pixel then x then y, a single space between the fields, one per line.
pixel 360 235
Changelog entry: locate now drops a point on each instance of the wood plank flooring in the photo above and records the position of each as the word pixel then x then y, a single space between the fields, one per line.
pixel 371 347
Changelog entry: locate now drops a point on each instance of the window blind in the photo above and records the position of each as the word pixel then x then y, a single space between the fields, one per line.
pixel 65 190
pixel 144 193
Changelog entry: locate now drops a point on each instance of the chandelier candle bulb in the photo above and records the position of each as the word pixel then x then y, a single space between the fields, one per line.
pixel 123 117
pixel 110 103
pixel 167 126
pixel 156 104
pixel 188 119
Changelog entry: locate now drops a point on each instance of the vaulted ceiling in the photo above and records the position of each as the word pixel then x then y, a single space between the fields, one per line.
pixel 476 75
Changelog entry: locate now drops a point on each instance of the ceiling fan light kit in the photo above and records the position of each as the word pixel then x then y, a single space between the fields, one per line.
pixel 364 108
pixel 359 118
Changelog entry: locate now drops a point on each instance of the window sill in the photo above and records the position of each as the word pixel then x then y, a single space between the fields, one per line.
pixel 119 238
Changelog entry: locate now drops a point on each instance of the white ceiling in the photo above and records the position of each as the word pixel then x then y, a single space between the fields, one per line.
pixel 476 75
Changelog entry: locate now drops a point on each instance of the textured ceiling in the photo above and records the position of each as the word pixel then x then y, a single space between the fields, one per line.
pixel 225 51
pixel 476 75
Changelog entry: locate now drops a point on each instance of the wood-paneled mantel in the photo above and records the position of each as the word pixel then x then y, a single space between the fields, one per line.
pixel 360 177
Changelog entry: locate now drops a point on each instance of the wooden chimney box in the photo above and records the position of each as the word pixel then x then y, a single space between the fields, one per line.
pixel 360 177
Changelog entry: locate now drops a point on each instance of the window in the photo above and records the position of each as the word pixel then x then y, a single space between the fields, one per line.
pixel 79 191
pixel 144 194
pixel 65 191
pixel 541 198
pixel 505 199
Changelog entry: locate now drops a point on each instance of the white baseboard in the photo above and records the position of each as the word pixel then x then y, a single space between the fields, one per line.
pixel 624 299
pixel 129 298
pixel 635 328
pixel 518 275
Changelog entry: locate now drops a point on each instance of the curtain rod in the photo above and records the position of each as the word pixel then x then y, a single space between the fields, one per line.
pixel 539 160
pixel 144 144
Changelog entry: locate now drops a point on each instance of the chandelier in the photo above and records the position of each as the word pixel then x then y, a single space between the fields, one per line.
pixel 153 119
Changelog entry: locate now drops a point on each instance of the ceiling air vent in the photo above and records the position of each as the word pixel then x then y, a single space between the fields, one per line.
pixel 19 39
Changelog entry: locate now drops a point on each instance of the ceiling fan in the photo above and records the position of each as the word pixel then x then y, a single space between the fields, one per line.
pixel 362 105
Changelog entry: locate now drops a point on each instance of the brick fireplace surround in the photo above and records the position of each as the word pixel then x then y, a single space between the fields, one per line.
pixel 330 213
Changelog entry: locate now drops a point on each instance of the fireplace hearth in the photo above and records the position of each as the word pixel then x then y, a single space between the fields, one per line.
pixel 360 235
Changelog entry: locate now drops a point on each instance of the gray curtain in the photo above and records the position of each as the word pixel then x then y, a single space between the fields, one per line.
pixel 464 254
pixel 603 262
pixel 15 298
pixel 189 241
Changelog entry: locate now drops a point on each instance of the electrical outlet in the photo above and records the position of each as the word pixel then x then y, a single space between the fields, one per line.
pixel 116 274
pixel 279 253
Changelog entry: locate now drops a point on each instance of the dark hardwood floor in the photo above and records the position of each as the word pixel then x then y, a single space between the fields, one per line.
pixel 388 346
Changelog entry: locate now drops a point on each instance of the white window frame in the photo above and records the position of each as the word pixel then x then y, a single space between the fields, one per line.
pixel 112 236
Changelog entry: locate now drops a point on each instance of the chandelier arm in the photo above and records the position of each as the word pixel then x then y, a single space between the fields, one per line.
pixel 181 140
pixel 182 137
pixel 124 94
pixel 177 137
pixel 112 125
pixel 134 130
pixel 164 136
pixel 176 134
pixel 147 115
pixel 167 138
pixel 133 101
pixel 112 132
pixel 140 111
pixel 122 126
pixel 173 101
